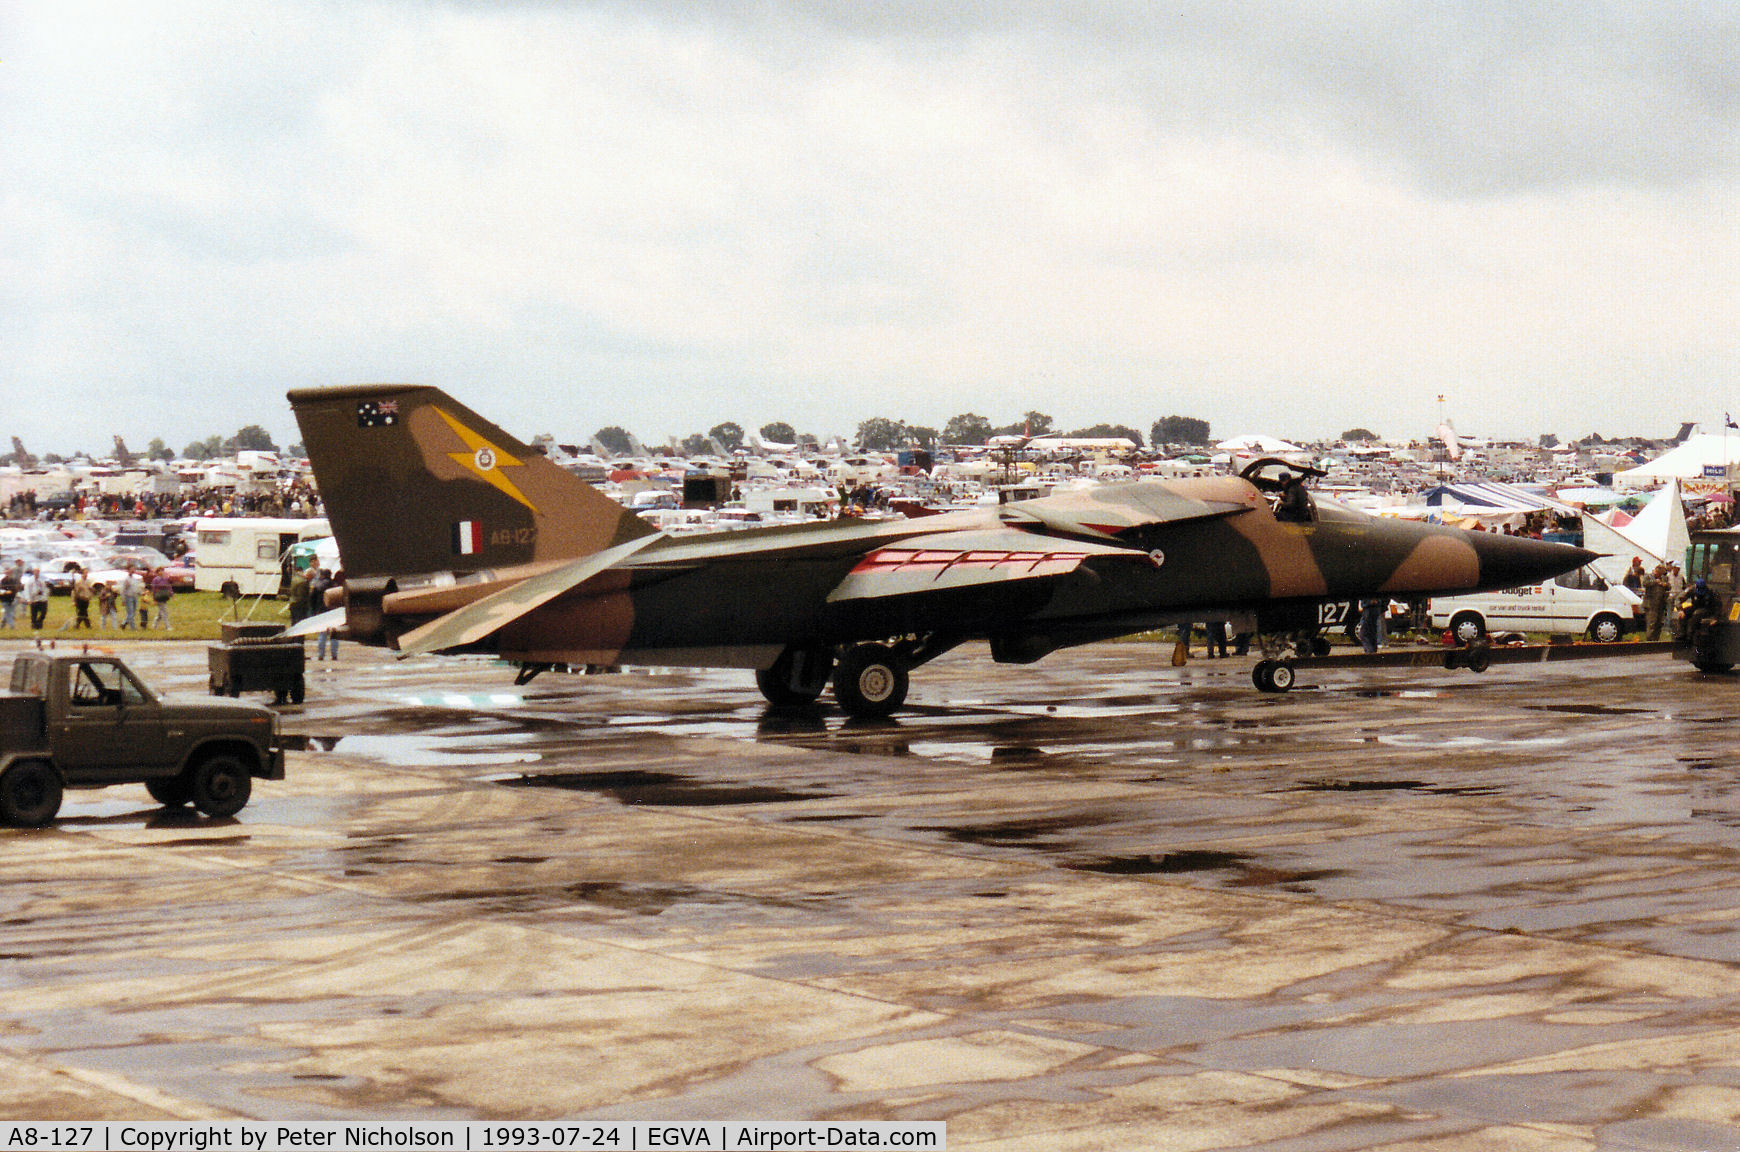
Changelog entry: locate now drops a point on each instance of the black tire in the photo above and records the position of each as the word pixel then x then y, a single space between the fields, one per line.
pixel 1260 675
pixel 298 690
pixel 1467 627
pixel 170 791
pixel 30 793
pixel 870 681
pixel 1479 658
pixel 798 677
pixel 1606 629
pixel 1714 667
pixel 221 785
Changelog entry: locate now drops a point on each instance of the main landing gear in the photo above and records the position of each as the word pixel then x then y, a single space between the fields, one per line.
pixel 870 680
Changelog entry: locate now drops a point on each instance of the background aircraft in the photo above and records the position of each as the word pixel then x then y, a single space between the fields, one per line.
pixel 456 537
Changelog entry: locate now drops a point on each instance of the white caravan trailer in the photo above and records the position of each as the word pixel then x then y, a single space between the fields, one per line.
pixel 248 551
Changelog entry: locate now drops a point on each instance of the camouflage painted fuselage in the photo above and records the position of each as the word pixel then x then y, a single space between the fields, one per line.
pixel 456 537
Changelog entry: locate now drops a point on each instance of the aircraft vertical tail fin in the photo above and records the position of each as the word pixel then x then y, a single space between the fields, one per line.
pixel 416 483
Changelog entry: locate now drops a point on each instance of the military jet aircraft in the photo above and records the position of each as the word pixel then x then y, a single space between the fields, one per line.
pixel 456 537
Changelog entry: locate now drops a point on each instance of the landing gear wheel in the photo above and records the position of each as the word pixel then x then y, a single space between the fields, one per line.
pixel 870 681
pixel 1713 667
pixel 1479 658
pixel 30 793
pixel 298 689
pixel 797 677
pixel 1273 675
pixel 170 791
pixel 221 785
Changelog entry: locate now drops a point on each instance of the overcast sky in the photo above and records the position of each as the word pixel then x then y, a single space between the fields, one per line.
pixel 1289 218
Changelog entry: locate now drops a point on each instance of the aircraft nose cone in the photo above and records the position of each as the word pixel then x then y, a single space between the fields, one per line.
pixel 1511 561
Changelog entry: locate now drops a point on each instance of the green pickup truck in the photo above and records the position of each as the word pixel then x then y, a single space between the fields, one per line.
pixel 86 721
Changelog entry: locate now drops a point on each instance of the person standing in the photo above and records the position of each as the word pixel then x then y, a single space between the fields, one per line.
pixel 131 589
pixel 1655 602
pixel 1634 576
pixel 162 591
pixel 301 589
pixel 317 604
pixel 106 597
pixel 11 588
pixel 36 595
pixel 1370 621
pixel 82 595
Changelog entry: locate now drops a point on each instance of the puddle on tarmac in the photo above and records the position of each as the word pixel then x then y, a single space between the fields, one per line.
pixel 1391 786
pixel 1589 709
pixel 641 899
pixel 1247 871
pixel 1397 693
pixel 1034 835
pixel 662 789
pixel 423 749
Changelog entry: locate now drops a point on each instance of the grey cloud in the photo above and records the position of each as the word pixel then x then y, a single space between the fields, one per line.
pixel 1463 99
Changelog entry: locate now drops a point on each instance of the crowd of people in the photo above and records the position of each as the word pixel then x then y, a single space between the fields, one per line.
pixel 127 603
pixel 297 500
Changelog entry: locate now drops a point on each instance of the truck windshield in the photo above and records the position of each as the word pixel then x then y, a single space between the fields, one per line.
pixel 97 684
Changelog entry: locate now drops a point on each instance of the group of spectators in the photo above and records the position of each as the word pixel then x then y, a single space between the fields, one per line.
pixel 1662 590
pixel 298 500
pixel 21 585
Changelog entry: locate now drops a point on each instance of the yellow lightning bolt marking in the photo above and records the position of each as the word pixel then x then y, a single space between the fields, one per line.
pixel 483 459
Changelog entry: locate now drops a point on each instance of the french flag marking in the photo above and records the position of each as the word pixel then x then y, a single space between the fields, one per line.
pixel 467 537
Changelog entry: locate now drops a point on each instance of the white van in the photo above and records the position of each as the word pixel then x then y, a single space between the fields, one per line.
pixel 1579 601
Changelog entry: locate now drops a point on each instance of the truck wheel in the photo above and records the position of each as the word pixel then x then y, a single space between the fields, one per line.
pixel 870 681
pixel 30 793
pixel 170 791
pixel 1467 627
pixel 221 785
pixel 1605 629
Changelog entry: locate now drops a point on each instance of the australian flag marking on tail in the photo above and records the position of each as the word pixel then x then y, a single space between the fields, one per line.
pixel 377 413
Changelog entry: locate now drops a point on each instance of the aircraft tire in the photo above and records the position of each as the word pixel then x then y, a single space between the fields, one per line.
pixel 1281 676
pixel 1260 675
pixel 870 681
pixel 1714 667
pixel 1479 658
pixel 30 793
pixel 784 689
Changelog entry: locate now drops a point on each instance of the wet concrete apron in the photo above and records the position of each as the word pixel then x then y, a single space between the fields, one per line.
pixel 1096 903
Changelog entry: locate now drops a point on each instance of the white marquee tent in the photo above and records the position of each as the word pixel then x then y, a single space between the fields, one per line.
pixel 1690 464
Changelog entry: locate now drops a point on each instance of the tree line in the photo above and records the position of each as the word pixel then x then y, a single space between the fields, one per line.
pixel 885 434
